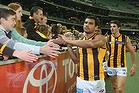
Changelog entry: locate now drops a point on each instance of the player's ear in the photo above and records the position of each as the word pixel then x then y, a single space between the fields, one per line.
pixel 2 20
pixel 96 27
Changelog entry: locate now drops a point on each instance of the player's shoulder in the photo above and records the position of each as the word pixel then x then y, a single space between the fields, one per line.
pixel 100 36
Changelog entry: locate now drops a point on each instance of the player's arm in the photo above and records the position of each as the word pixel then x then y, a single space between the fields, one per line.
pixel 133 56
pixel 73 54
pixel 98 41
pixel 131 50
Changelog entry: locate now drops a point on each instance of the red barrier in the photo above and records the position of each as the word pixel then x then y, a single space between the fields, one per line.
pixel 47 75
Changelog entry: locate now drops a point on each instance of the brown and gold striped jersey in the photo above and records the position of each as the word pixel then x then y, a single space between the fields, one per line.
pixel 117 50
pixel 91 60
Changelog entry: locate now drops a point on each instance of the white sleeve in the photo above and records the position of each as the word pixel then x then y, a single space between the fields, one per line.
pixel 22 46
pixel 17 45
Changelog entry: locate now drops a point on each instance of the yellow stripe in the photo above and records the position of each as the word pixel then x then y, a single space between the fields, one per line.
pixel 81 64
pixel 41 34
pixel 101 55
pixel 2 48
pixel 119 52
pixel 90 63
pixel 112 51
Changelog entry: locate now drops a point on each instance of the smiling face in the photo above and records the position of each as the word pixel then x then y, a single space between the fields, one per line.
pixel 19 13
pixel 17 8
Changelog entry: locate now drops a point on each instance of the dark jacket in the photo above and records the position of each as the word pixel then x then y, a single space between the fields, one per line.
pixel 30 28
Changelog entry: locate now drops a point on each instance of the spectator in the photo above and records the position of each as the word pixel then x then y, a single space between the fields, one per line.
pixel 56 29
pixel 36 14
pixel 44 31
pixel 43 20
pixel 7 19
pixel 24 55
pixel 15 33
